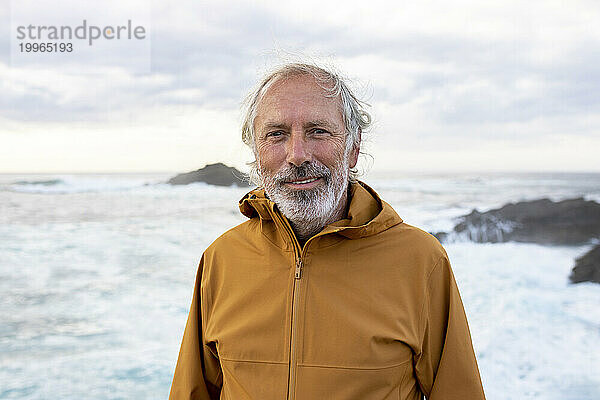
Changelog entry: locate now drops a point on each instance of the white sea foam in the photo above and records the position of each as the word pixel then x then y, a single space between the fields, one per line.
pixel 536 335
pixel 78 183
pixel 96 284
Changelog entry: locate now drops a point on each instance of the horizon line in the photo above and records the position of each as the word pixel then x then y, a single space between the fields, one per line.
pixel 401 171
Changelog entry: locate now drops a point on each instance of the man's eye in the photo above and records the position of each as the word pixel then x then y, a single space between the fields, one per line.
pixel 274 134
pixel 319 131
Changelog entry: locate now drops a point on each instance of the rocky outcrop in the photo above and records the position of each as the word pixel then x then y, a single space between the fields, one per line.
pixel 587 267
pixel 214 174
pixel 566 222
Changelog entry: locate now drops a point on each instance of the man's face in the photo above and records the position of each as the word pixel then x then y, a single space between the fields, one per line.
pixel 301 148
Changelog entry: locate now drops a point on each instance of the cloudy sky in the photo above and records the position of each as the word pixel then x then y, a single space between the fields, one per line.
pixel 453 86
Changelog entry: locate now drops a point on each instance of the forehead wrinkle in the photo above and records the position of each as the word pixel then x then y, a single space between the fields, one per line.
pixel 276 93
pixel 274 124
pixel 310 124
pixel 322 122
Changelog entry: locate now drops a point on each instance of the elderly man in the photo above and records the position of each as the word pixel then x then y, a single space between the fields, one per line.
pixel 324 293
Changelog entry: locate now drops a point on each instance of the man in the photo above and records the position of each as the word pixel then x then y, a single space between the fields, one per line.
pixel 324 293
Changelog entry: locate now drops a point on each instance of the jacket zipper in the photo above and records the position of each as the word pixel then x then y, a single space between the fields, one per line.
pixel 298 255
pixel 295 304
pixel 294 333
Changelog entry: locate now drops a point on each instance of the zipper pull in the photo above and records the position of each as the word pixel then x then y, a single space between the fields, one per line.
pixel 298 273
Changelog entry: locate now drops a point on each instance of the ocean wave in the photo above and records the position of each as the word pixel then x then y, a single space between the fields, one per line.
pixel 78 184
pixel 46 182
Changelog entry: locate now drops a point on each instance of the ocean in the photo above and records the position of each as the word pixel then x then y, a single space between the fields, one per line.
pixel 97 272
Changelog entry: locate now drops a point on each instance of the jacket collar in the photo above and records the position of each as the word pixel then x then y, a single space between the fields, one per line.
pixel 367 213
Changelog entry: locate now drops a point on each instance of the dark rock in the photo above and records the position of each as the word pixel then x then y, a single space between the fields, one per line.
pixel 213 174
pixel 567 222
pixel 587 267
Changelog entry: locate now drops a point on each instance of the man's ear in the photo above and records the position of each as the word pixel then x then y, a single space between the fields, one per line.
pixel 355 151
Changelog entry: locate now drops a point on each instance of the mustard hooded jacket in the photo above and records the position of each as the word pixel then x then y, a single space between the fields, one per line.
pixel 366 309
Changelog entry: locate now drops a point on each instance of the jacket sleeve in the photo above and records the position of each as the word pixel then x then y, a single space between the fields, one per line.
pixel 198 374
pixel 445 366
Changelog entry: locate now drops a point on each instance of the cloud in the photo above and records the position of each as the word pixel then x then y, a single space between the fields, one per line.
pixel 443 71
pixel 214 51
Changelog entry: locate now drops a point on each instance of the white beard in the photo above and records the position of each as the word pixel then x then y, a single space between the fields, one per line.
pixel 309 210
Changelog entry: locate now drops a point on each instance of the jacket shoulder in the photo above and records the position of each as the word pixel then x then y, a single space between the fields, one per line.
pixel 416 243
pixel 417 235
pixel 239 236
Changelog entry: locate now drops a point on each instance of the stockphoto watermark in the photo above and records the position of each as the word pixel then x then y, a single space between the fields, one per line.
pixel 81 38
pixel 82 44
pixel 59 35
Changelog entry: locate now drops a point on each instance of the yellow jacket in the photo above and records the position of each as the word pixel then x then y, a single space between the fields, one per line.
pixel 366 309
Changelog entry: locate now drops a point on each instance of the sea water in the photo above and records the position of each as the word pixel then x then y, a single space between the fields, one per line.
pixel 97 272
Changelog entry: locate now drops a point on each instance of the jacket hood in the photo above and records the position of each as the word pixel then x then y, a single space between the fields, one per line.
pixel 367 213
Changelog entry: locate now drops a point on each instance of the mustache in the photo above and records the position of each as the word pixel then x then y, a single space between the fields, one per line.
pixel 307 169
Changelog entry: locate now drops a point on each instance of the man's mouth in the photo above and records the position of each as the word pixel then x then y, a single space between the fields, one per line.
pixel 304 183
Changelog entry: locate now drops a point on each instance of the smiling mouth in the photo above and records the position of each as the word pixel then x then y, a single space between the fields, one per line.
pixel 304 182
pixel 307 180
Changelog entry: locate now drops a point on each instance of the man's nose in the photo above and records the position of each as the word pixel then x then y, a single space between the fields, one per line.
pixel 297 149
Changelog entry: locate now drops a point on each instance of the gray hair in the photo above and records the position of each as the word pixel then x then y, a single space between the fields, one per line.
pixel 356 119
